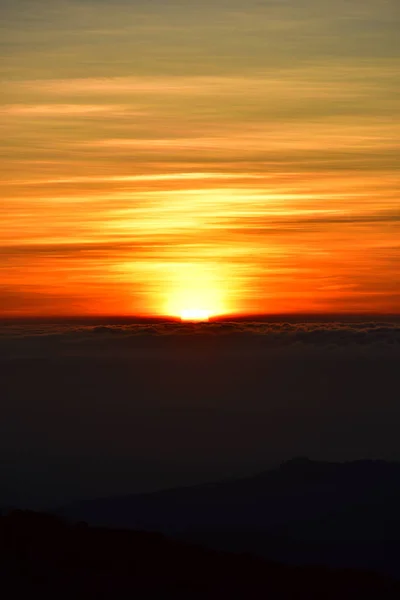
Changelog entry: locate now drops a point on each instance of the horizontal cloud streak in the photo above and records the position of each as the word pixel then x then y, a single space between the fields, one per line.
pixel 60 110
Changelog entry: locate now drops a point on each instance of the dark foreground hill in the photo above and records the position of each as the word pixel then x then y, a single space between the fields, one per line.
pixel 42 556
pixel 337 514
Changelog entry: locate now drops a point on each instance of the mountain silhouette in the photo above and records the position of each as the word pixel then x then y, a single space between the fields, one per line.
pixel 43 556
pixel 305 511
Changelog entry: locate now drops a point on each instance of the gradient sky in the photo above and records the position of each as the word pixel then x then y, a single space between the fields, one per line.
pixel 223 156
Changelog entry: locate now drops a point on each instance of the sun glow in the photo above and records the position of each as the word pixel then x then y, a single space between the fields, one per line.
pixel 195 293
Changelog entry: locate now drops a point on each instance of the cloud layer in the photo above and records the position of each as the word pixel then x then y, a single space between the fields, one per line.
pixel 225 337
pixel 96 410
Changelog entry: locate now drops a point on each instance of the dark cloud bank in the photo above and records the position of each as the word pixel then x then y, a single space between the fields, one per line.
pixel 22 339
pixel 95 410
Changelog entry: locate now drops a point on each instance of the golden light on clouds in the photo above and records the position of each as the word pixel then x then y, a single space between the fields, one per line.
pixel 173 163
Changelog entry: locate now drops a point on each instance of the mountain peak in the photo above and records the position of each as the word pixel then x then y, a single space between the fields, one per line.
pixel 298 461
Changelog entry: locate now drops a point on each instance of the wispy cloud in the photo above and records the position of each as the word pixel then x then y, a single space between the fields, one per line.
pixel 348 80
pixel 139 178
pixel 66 110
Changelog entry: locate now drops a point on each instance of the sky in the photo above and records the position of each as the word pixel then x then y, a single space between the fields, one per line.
pixel 194 159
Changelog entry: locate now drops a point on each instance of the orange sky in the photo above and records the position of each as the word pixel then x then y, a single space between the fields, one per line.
pixel 228 158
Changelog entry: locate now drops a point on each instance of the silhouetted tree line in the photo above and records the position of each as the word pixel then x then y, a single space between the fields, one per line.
pixel 46 557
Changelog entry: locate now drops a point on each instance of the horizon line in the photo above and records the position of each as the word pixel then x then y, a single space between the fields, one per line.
pixel 138 318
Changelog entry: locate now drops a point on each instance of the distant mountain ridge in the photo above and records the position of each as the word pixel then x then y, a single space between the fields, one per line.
pixel 341 514
pixel 43 556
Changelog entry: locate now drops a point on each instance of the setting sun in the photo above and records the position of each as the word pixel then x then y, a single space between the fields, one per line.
pixel 194 314
pixel 195 292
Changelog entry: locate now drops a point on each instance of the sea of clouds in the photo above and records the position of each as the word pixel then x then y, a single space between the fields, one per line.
pixel 38 339
pixel 90 409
